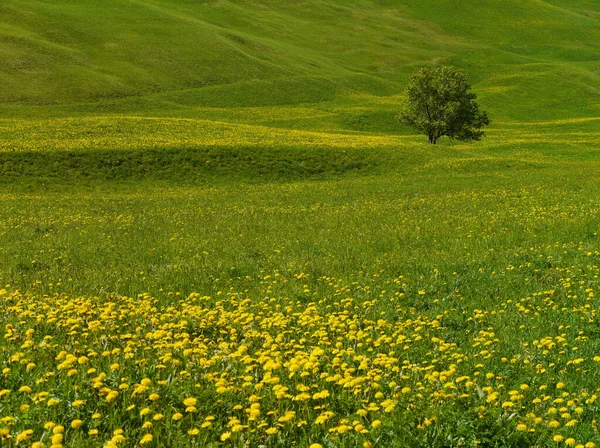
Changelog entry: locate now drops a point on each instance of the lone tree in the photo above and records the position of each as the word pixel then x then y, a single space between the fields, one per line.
pixel 439 102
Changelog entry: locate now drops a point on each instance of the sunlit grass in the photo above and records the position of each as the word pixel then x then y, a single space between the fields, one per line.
pixel 144 132
pixel 213 231
pixel 302 360
pixel 384 295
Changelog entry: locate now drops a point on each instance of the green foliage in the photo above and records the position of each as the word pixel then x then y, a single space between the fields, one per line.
pixel 439 103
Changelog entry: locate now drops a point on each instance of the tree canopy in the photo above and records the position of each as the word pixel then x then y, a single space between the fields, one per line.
pixel 439 103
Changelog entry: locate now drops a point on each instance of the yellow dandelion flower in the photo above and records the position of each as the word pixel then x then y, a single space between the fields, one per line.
pixel 111 396
pixel 119 438
pixel 492 397
pixel 24 435
pixel 190 402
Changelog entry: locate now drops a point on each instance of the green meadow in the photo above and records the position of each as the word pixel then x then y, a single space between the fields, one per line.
pixel 214 232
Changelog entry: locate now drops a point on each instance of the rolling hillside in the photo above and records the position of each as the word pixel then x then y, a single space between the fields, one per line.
pixel 214 232
pixel 344 60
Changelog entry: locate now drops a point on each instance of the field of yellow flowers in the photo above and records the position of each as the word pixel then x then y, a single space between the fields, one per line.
pixel 350 366
pixel 214 232
pixel 419 299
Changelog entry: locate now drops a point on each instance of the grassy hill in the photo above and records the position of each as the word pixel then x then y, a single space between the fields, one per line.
pixel 214 233
pixel 171 75
pixel 528 59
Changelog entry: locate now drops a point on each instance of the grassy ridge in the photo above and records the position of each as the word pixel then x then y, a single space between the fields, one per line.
pixel 184 165
pixel 172 57
pixel 186 150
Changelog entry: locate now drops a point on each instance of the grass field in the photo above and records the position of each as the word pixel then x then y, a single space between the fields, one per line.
pixel 213 232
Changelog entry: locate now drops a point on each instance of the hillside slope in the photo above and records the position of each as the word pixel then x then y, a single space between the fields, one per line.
pixel 529 60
